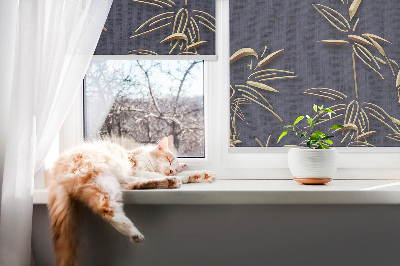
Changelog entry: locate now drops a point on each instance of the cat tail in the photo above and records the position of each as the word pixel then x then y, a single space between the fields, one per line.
pixel 62 212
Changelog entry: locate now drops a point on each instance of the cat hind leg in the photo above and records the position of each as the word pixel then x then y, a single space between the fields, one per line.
pixel 104 197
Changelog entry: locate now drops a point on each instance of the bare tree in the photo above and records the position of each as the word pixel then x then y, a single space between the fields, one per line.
pixel 144 113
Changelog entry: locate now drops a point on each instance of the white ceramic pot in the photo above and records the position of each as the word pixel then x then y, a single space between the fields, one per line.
pixel 311 166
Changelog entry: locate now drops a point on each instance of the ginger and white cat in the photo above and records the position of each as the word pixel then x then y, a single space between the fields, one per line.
pixel 94 175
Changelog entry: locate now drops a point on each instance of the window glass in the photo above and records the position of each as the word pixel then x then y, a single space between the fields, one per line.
pixel 140 102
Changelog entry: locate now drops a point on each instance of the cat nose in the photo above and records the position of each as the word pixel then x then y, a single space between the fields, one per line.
pixel 171 172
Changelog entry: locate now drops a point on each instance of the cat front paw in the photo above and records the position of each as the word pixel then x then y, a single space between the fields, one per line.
pixel 137 237
pixel 210 177
pixel 174 182
pixel 201 177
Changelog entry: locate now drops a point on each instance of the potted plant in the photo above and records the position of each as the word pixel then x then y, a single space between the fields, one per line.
pixel 316 163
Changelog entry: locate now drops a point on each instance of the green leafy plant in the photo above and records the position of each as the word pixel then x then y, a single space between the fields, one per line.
pixel 319 138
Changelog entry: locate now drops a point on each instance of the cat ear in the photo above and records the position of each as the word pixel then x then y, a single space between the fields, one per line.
pixel 163 145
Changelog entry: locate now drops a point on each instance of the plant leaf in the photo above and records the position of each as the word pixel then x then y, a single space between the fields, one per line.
pixel 298 120
pixel 309 144
pixel 284 133
pixel 336 127
pixel 329 141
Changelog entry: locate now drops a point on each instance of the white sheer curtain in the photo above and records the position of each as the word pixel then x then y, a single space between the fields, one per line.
pixel 55 40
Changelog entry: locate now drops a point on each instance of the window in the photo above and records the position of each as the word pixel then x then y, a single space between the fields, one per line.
pixel 140 102
pixel 240 162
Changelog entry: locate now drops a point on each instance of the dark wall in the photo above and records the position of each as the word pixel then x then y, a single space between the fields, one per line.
pixel 237 235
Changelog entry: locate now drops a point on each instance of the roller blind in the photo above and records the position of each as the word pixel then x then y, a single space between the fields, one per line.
pixel 288 55
pixel 159 27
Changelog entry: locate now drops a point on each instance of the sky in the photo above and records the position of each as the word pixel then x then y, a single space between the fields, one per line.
pixel 160 78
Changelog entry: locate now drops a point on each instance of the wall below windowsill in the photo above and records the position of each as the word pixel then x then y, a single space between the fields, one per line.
pixel 264 192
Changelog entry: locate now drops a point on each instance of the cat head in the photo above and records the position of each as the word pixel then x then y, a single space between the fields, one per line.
pixel 164 161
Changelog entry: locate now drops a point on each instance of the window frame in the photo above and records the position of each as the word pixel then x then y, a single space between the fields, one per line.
pixel 242 163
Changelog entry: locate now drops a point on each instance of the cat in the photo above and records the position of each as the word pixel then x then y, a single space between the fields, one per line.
pixel 94 174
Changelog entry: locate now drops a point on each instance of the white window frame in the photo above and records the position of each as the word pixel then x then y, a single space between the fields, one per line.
pixel 244 163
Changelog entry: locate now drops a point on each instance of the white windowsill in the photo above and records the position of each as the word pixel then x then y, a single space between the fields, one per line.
pixel 264 192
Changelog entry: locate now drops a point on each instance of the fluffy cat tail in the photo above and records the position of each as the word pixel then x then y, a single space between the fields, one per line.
pixel 62 212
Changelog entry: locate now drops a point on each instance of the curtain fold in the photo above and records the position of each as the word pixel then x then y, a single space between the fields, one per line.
pixel 55 43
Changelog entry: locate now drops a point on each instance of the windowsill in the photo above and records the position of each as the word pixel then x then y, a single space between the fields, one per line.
pixel 264 192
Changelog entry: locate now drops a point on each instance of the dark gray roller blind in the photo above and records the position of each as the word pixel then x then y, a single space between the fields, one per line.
pixel 139 27
pixel 306 71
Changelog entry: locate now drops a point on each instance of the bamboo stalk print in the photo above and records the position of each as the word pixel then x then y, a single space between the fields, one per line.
pixel 269 138
pixel 355 74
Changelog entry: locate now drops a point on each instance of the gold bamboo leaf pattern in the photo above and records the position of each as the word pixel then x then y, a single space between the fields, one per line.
pixel 175 36
pixel 269 58
pixel 142 51
pixel 348 126
pixel 359 39
pixel 376 37
pixel 334 11
pixel 333 94
pixel 353 8
pixel 153 18
pixel 355 25
pixel 250 93
pixel 330 21
pixel 394 62
pixel 205 13
pixel 398 80
pixel 195 45
pixel 185 33
pixel 381 51
pixel 365 135
pixel 337 42
pixel 275 78
pixel 259 94
pixel 261 86
pixel 380 60
pixel 355 73
pixel 147 3
pixel 242 53
pixel 362 53
pixel 356 53
pixel 140 34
